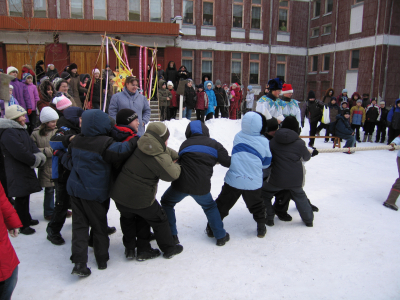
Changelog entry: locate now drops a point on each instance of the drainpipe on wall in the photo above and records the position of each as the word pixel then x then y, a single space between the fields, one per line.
pixel 387 54
pixel 381 61
pixel 374 61
pixel 270 39
pixel 178 39
pixel 334 53
pixel 308 46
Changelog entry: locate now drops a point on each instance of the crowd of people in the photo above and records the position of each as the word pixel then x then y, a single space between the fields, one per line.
pixel 85 157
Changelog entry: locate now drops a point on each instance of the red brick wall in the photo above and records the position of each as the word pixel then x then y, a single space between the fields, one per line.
pixel 117 10
pixel 64 9
pixel 393 75
pixel 3 7
pixel 3 57
pixel 52 9
pixel 395 18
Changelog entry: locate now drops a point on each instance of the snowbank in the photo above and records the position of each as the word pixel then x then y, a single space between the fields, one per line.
pixel 350 253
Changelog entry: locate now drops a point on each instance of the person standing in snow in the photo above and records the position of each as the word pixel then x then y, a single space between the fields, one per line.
pixel 314 114
pixel 328 96
pixel 189 98
pixel 395 190
pixel 381 125
pixel 250 155
pixel 173 104
pixel 334 110
pixel 289 106
pixel 222 100
pixel 201 102
pixel 197 157
pixel 393 121
pixel 373 115
pixel 249 99
pixel 343 97
pixel 268 105
pixel 357 118
pixel 34 98
pixel 212 100
pixel 20 92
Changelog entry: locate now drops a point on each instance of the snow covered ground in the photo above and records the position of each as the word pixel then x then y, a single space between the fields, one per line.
pixel 350 253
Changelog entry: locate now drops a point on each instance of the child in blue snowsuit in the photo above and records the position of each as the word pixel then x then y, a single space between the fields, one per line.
pixel 212 100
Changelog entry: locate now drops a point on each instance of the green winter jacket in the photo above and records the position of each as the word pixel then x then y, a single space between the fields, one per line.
pixel 136 185
pixel 163 94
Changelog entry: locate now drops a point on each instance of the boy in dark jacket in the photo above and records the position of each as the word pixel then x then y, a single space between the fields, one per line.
pixel 314 114
pixel 381 128
pixel 90 157
pixel 201 102
pixel 343 130
pixel 189 99
pixel 197 157
pixel 222 100
pixel 287 170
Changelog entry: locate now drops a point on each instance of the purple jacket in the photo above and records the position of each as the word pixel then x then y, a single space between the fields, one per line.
pixel 33 95
pixel 20 92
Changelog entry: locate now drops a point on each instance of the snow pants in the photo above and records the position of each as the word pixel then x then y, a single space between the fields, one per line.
pixel 200 114
pixel 60 208
pixel 297 194
pixel 230 195
pixel 356 129
pixel 22 208
pixel 282 199
pixel 89 213
pixel 381 132
pixel 369 127
pixel 153 216
pixel 223 110
pixel 313 131
pixel 395 190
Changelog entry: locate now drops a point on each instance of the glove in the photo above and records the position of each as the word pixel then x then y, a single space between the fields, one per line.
pixel 58 153
pixel 29 111
pixel 40 160
pixel 13 232
pixel 315 152
pixel 302 124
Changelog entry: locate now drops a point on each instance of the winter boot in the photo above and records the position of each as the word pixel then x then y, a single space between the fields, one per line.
pixel 314 208
pixel 309 224
pixel 178 249
pixel 222 241
pixel 81 270
pixel 370 138
pixel 129 253
pixel 391 200
pixel 392 206
pixel 27 230
pixel 176 240
pixel 34 222
pixel 284 216
pixel 101 265
pixel 261 230
pixel 56 239
pixel 365 138
pixel 209 231
pixel 270 223
pixel 148 254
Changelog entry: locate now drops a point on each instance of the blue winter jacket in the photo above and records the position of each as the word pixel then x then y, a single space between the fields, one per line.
pixel 90 157
pixel 212 100
pixel 342 127
pixel 136 102
pixel 394 110
pixel 250 155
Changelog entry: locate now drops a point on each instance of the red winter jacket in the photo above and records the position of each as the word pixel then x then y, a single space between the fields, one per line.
pixel 174 100
pixel 8 220
pixel 202 100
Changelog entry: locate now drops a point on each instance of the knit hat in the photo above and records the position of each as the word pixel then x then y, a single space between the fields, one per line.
pixel 344 102
pixel 250 87
pixel 382 102
pixel 287 89
pixel 333 98
pixel 169 83
pixel 346 112
pixel 96 71
pixel 48 114
pixel 58 99
pixel 311 95
pixel 14 111
pixel 344 91
pixel 373 99
pixel 209 83
pixel 72 66
pixel 359 101
pixel 291 122
pixel 44 79
pixel 200 86
pixel 65 75
pixel 49 65
pixel 26 75
pixel 10 86
pixel 225 85
pixel 218 82
pixel 159 131
pixel 57 82
pixel 275 84
pixel 159 65
pixel 272 124
pixel 125 116
pixel 11 69
pixel 63 103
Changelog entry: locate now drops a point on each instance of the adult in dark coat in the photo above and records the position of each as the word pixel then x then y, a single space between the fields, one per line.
pixel 365 101
pixel 197 157
pixel 222 100
pixel 382 123
pixel 182 74
pixel 171 73
pixel 287 170
pixel 160 72
pixel 40 73
pixel 52 72
pixel 189 99
pixel 314 114
pixel 21 157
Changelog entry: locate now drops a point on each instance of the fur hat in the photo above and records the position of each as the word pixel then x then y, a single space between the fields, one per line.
pixel 72 66
pixel 218 82
pixel 48 114
pixel 49 65
pixel 169 83
pixel 125 116
pixel 311 95
pixel 287 89
pixel 275 84
pixel 65 75
pixel 291 122
pixel 26 75
pixel 63 103
pixel 14 111
pixel 11 69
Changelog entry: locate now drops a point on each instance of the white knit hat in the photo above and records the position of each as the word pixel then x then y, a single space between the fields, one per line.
pixel 169 83
pixel 11 69
pixel 48 114
pixel 11 87
pixel 57 99
pixel 14 112
pixel 96 71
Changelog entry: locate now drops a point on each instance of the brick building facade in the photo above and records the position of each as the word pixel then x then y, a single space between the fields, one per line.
pixel 353 44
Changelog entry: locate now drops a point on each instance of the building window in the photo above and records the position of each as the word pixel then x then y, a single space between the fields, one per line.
pixel 254 68
pixel 188 13
pixel 314 64
pixel 256 14
pixel 281 67
pixel 40 8
pixel 355 59
pixel 15 8
pixel 155 10
pixel 206 64
pixel 359 1
pixel 76 9
pixel 283 15
pixel 315 32
pixel 237 21
pixel 328 6
pixel 134 10
pixel 100 9
pixel 327 59
pixel 187 60
pixel 326 29
pixel 208 13
pixel 317 8
pixel 236 70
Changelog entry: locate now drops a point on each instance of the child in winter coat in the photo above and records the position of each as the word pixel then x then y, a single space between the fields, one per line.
pixel 381 128
pixel 9 223
pixel 222 100
pixel 343 97
pixel 373 114
pixel 236 101
pixel 41 137
pixel 5 104
pixel 21 157
pixel 344 131
pixel 249 99
pixel 173 106
pixel 212 100
pixel 34 97
pixel 344 106
pixel 334 110
pixel 164 99
pixel 393 121
pixel 189 98
pixel 201 102
pixel 357 118
pixel 395 190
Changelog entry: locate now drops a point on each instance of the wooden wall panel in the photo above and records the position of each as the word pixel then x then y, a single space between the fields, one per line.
pixel 19 55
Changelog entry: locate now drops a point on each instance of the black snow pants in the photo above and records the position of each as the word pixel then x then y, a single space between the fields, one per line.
pixel 60 209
